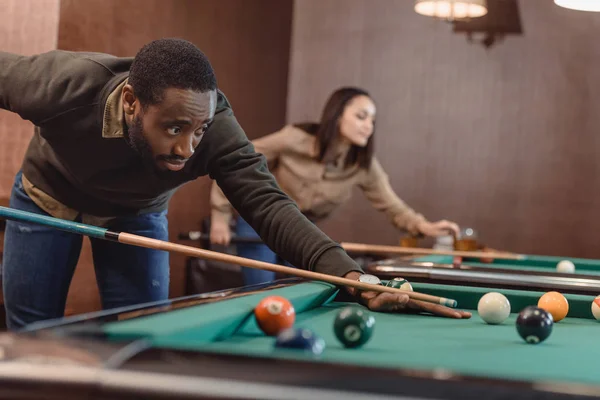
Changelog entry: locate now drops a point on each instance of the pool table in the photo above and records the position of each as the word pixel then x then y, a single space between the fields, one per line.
pixel 209 346
pixel 528 262
pixel 532 272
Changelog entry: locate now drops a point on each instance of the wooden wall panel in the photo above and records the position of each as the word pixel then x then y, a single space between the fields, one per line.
pixel 504 139
pixel 248 45
pixel 26 27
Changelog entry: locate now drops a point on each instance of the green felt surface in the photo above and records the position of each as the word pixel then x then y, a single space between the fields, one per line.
pixel 399 340
pixel 460 346
pixel 217 320
pixel 530 262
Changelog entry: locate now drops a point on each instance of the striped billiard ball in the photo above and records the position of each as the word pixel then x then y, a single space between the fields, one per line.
pixel 400 283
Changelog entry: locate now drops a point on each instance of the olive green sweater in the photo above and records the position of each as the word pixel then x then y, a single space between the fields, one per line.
pixel 79 159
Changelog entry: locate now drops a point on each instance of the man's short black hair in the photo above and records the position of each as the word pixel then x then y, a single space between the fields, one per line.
pixel 169 63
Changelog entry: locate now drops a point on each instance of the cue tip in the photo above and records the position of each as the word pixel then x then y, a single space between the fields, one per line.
pixel 448 302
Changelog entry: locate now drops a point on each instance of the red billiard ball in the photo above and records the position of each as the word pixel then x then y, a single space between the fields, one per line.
pixel 274 314
pixel 457 261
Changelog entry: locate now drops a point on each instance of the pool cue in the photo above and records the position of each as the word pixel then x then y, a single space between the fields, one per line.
pixel 197 235
pixel 373 248
pixel 141 241
pixel 369 248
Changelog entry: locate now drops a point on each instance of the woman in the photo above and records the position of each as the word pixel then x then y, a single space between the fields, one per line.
pixel 318 165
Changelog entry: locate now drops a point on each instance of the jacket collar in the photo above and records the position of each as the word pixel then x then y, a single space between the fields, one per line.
pixel 114 117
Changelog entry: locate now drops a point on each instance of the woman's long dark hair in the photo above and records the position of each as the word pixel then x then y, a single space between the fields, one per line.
pixel 327 131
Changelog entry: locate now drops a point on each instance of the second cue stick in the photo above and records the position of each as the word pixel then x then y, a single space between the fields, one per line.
pixel 141 241
pixel 373 248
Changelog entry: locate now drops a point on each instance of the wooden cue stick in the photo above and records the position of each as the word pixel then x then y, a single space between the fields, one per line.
pixel 373 248
pixel 127 238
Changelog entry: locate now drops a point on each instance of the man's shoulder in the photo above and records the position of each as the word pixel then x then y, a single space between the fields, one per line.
pixel 93 61
pixel 90 74
pixel 223 103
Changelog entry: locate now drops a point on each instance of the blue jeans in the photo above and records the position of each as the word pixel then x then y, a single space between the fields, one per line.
pixel 39 263
pixel 258 251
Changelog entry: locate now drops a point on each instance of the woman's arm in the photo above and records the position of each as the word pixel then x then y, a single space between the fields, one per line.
pixel 379 192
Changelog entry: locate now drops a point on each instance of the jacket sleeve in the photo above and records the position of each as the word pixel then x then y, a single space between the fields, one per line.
pixel 376 187
pixel 271 146
pixel 46 85
pixel 243 176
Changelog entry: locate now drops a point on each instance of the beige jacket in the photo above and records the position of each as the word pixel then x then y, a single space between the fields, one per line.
pixel 317 188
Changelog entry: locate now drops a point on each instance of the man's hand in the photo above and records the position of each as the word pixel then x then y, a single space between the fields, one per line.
pixel 220 232
pixel 399 302
pixel 438 228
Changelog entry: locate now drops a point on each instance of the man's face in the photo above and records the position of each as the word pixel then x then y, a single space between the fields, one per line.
pixel 167 134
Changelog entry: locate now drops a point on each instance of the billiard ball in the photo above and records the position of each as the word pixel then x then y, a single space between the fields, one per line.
pixel 493 308
pixel 534 324
pixel 565 267
pixel 400 283
pixel 353 326
pixel 596 308
pixel 556 304
pixel 274 314
pixel 457 261
pixel 486 260
pixel 300 339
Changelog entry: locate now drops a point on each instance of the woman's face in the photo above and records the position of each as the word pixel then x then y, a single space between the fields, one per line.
pixel 358 121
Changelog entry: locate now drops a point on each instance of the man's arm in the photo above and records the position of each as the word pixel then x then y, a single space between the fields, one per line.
pixel 230 159
pixel 243 176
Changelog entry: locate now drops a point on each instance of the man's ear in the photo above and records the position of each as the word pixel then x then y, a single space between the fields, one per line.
pixel 129 100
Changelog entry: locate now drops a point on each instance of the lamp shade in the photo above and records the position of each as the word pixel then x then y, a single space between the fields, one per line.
pixel 451 9
pixel 580 5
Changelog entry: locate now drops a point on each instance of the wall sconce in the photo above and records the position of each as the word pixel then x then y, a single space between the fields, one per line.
pixel 451 9
pixel 579 5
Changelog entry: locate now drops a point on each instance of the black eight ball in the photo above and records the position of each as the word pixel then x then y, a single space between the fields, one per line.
pixel 534 324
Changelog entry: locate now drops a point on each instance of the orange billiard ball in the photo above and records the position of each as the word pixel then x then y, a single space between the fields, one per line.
pixel 274 314
pixel 556 304
pixel 486 260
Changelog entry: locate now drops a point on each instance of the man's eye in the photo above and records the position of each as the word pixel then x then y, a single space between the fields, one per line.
pixel 202 130
pixel 174 130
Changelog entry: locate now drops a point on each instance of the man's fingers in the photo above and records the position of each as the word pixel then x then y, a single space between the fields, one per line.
pixel 438 309
pixel 386 301
pixel 401 302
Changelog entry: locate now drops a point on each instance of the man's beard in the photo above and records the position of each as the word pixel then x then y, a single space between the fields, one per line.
pixel 135 138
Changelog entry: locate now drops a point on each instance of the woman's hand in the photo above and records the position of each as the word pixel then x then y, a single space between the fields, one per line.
pixel 220 233
pixel 438 228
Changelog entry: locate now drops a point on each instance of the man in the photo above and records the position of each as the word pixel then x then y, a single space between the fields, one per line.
pixel 114 138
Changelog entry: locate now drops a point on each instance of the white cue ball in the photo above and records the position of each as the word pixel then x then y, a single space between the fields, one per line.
pixel 565 267
pixel 493 308
pixel 596 307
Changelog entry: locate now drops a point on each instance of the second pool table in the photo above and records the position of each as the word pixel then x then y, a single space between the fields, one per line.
pixel 529 262
pixel 532 272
